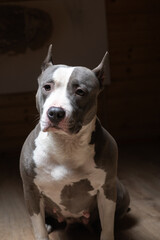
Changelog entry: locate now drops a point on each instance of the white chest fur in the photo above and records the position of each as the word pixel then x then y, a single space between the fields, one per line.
pixel 60 163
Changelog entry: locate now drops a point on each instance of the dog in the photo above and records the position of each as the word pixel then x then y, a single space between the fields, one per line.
pixel 68 163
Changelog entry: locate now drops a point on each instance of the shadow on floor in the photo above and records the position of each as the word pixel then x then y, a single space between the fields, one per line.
pixel 80 232
pixel 123 226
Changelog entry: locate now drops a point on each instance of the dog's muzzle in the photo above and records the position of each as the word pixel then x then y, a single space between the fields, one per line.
pixel 56 118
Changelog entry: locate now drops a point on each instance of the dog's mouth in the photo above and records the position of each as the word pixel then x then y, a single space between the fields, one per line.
pixel 69 127
pixel 52 126
pixel 49 126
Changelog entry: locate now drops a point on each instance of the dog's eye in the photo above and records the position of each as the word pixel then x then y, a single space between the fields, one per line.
pixel 80 92
pixel 47 87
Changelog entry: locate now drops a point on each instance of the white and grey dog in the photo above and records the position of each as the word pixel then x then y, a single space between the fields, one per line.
pixel 69 161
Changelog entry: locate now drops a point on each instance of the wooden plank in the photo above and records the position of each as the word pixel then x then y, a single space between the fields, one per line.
pixel 19 99
pixel 133 103
pixel 131 116
pixel 125 6
pixel 130 71
pixel 14 144
pixel 132 38
pixel 18 114
pixel 134 134
pixel 134 54
pixel 133 22
pixel 134 116
pixel 12 206
pixel 146 87
pixel 15 130
pixel 134 119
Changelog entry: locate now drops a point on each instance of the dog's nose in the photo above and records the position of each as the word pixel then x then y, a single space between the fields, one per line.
pixel 56 114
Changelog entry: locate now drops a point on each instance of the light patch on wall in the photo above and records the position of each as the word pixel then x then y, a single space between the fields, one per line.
pixel 78 38
pixel 22 27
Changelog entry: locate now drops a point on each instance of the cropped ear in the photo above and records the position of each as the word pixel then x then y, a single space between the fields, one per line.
pixel 101 71
pixel 48 60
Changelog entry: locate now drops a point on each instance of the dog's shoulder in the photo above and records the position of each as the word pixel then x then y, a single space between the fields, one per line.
pixel 26 158
pixel 106 150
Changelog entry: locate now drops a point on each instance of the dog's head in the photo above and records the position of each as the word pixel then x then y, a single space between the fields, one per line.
pixel 67 96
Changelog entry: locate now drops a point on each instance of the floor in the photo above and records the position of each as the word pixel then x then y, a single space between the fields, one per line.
pixel 139 170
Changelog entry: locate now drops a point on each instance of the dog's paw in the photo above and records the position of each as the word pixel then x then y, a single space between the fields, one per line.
pixel 55 236
pixel 105 236
pixel 49 228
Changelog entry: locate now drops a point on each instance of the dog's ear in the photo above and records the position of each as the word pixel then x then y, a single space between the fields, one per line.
pixel 101 71
pixel 48 60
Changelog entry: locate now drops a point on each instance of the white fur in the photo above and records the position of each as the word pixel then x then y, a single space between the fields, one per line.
pixel 39 227
pixel 59 172
pixel 64 159
pixel 38 223
pixel 106 212
pixel 58 97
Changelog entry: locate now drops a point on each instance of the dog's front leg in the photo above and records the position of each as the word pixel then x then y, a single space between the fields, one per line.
pixel 106 209
pixel 35 207
pixel 38 223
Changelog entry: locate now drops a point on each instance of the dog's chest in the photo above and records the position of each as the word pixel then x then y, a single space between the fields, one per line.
pixel 68 177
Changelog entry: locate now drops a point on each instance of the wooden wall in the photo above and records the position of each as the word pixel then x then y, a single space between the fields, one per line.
pixel 130 107
pixel 18 116
pixel 133 99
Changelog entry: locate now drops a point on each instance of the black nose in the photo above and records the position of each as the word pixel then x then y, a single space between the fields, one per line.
pixel 55 114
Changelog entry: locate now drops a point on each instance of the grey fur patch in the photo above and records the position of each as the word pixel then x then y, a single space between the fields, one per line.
pixel 106 155
pixel 32 198
pixel 50 206
pixel 76 197
pixel 27 166
pixel 123 199
pixel 85 107
pixel 110 189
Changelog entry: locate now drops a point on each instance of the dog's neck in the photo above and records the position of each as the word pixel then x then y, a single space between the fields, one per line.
pixel 70 150
pixel 66 149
